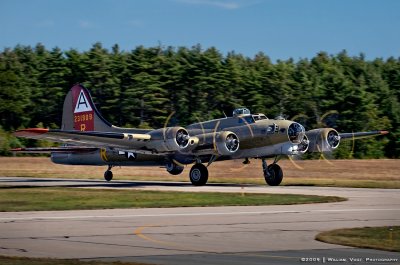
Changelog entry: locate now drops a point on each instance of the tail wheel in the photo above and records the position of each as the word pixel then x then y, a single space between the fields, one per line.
pixel 173 168
pixel 108 175
pixel 274 175
pixel 198 175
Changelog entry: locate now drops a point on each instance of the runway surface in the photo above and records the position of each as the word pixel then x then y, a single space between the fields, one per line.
pixel 207 235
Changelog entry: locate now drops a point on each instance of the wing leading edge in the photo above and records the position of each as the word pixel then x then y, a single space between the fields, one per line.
pixel 359 135
pixel 129 141
pixel 62 149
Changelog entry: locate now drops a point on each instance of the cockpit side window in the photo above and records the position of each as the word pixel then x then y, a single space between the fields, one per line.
pixel 259 117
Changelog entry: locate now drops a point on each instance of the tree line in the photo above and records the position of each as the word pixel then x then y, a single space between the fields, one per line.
pixel 144 86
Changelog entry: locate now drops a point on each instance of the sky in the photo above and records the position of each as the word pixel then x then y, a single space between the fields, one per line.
pixel 281 29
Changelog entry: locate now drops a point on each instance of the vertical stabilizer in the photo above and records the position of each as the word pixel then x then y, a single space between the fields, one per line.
pixel 80 113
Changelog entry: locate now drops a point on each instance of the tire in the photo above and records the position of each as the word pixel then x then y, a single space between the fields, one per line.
pixel 173 168
pixel 108 175
pixel 198 175
pixel 274 176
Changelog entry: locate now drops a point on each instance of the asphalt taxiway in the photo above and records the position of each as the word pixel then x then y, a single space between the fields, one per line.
pixel 206 235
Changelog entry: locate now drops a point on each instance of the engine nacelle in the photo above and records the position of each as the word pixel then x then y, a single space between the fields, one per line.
pixel 221 143
pixel 169 139
pixel 227 143
pixel 303 146
pixel 323 140
pixel 193 143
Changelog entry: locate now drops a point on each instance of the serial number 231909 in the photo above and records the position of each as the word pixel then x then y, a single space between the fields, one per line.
pixel 83 117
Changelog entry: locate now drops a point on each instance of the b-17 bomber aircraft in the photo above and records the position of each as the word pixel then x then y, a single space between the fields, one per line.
pixel 88 139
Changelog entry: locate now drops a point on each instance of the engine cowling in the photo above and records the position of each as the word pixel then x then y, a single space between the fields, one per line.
pixel 221 143
pixel 303 146
pixel 169 139
pixel 193 143
pixel 323 140
pixel 227 143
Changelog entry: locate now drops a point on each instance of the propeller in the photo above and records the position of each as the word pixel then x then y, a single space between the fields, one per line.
pixel 182 138
pixel 232 142
pixel 333 139
pixel 325 143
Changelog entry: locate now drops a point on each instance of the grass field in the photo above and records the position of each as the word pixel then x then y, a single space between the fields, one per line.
pixel 382 238
pixel 374 173
pixel 48 199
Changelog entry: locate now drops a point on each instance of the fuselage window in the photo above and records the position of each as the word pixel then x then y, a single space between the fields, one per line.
pixel 259 117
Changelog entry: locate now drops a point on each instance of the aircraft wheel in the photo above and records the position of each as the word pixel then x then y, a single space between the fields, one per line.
pixel 173 168
pixel 198 175
pixel 108 175
pixel 274 175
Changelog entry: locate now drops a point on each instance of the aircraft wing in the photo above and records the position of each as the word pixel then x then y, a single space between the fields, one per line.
pixel 87 138
pixel 359 135
pixel 61 149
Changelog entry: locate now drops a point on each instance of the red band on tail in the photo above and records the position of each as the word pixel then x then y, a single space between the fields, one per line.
pixel 83 109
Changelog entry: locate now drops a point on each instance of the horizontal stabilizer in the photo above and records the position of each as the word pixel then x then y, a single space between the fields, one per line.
pixel 31 133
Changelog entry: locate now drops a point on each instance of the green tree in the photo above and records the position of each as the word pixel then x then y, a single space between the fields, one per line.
pixel 142 87
pixel 97 67
pixel 51 89
pixel 143 94
pixel 14 91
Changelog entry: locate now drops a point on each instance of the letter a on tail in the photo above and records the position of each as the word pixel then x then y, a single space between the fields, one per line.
pixel 83 111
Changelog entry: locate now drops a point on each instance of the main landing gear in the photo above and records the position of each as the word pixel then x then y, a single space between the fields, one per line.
pixel 273 173
pixel 198 174
pixel 108 175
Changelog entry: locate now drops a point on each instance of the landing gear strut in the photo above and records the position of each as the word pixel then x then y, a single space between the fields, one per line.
pixel 273 173
pixel 198 174
pixel 108 175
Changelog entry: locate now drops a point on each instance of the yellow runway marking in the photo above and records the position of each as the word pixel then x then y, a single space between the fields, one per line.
pixel 139 230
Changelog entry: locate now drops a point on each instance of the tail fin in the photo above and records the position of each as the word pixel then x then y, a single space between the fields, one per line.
pixel 80 113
